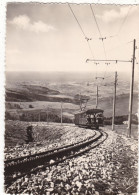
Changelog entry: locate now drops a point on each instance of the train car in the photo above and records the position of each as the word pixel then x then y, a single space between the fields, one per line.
pixel 92 118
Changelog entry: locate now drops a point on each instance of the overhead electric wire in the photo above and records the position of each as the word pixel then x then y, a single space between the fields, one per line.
pixel 104 50
pixel 111 36
pixel 96 74
pixel 109 60
pixel 105 71
pixel 95 20
pixel 90 49
pixel 106 37
pixel 100 37
pixel 98 29
pixel 119 46
pixel 87 39
pixel 124 20
pixel 76 20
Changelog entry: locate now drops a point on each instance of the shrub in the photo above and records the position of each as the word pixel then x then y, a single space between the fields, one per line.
pixel 30 106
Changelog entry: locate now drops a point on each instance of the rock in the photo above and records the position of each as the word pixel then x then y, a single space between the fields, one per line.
pixel 51 161
pixel 76 178
pixel 96 193
pixel 49 189
pixel 47 193
pixel 70 163
pixel 67 187
pixel 108 191
pixel 52 185
pixel 79 184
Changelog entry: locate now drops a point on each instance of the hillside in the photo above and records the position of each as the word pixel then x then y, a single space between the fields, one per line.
pixel 42 92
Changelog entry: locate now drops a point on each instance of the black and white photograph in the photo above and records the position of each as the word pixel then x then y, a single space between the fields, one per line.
pixel 71 99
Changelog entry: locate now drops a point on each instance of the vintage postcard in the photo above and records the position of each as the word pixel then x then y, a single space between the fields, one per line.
pixel 71 98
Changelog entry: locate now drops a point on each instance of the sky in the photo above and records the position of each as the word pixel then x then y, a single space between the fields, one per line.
pixel 47 37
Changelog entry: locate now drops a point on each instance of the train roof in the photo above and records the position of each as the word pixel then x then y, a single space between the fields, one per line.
pixel 94 111
pixel 91 111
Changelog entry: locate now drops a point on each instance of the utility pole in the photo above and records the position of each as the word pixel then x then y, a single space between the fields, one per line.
pixel 97 97
pixel 131 91
pixel 114 101
pixel 61 112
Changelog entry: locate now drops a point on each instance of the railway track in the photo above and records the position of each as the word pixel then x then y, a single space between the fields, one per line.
pixel 19 167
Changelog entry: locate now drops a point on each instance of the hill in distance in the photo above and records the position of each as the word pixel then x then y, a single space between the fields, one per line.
pixel 50 89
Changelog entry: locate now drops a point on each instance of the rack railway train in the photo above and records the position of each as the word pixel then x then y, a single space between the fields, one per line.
pixel 92 118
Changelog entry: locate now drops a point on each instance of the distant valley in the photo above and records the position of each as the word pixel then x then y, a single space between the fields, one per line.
pixel 43 93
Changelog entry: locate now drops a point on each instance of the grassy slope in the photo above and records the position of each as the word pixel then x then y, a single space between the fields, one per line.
pixel 122 103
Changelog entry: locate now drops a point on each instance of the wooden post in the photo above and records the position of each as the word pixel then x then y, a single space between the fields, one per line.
pixel 114 101
pixel 97 97
pixel 131 91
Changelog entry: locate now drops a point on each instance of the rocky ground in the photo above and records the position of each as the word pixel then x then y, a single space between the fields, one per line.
pixel 46 137
pixel 110 169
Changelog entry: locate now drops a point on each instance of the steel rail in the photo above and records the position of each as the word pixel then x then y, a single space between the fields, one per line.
pixel 13 160
pixel 39 159
pixel 58 157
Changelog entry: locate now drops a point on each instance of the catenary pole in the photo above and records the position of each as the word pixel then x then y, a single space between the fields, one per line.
pixel 114 101
pixel 131 91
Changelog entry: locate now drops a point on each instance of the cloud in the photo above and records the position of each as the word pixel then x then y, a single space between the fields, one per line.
pixel 23 22
pixel 111 15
